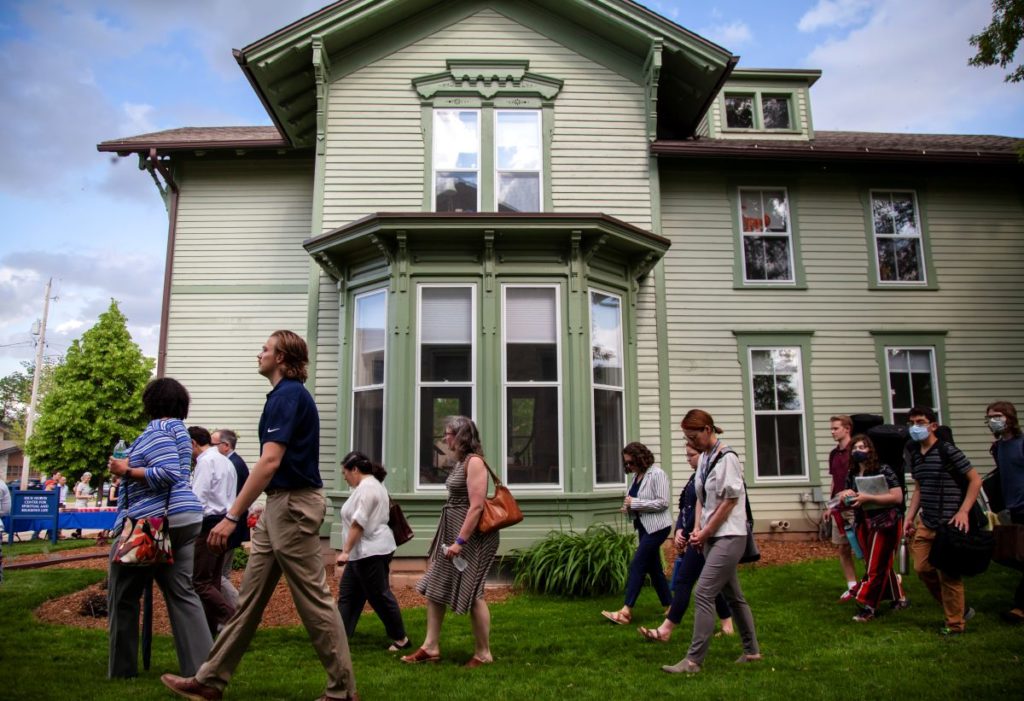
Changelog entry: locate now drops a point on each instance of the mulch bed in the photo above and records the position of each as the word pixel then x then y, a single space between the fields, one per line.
pixel 68 610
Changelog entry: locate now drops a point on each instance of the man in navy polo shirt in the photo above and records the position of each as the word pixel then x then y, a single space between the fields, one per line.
pixel 287 538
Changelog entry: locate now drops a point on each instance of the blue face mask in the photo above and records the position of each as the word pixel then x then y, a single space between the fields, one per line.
pixel 918 433
pixel 997 425
pixel 859 455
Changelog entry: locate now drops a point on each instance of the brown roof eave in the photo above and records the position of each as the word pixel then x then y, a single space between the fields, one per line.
pixel 125 148
pixel 784 154
pixel 713 93
pixel 244 65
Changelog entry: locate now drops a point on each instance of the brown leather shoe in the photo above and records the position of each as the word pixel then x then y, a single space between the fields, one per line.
pixel 189 688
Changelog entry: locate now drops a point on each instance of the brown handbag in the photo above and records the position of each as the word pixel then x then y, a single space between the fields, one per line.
pixel 501 510
pixel 398 524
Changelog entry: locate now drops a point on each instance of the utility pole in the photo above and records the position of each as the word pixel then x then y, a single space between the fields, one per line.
pixel 31 418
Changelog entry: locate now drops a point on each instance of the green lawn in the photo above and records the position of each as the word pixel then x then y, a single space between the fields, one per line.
pixel 34 547
pixel 548 649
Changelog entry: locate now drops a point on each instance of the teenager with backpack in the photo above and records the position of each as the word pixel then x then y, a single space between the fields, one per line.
pixel 1008 451
pixel 936 500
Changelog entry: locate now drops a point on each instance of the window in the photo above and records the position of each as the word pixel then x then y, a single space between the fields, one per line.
pixel 369 342
pixel 518 160
pixel 778 404
pixel 912 381
pixel 532 385
pixel 775 109
pixel 739 111
pixel 456 160
pixel 766 235
pixel 608 379
pixel 758 111
pixel 446 361
pixel 897 230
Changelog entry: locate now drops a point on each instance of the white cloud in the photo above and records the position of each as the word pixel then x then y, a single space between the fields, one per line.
pixel 905 70
pixel 138 121
pixel 833 13
pixel 729 35
pixel 71 325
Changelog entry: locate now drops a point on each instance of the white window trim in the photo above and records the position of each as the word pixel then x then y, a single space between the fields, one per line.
pixel 603 486
pixel 420 487
pixel 777 234
pixel 479 154
pixel 933 369
pixel 768 479
pixel 367 388
pixel 498 171
pixel 923 282
pixel 536 487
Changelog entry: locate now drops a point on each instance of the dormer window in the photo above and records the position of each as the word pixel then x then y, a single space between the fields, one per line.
pixel 757 111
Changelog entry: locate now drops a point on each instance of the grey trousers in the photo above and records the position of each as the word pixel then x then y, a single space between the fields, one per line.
pixel 721 558
pixel 192 637
pixel 286 541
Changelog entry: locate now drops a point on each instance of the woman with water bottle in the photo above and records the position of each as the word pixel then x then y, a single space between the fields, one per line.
pixel 460 556
pixel 874 491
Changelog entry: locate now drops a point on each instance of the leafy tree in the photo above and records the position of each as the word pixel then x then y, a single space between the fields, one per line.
pixel 16 395
pixel 999 42
pixel 96 398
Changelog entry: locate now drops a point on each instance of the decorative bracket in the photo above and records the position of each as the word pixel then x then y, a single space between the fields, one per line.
pixel 322 74
pixel 593 248
pixel 329 266
pixel 652 75
pixel 487 79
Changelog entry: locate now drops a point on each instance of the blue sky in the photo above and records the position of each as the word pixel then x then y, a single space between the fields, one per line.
pixel 82 71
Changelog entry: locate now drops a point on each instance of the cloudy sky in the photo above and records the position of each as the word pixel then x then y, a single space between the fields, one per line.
pixel 83 71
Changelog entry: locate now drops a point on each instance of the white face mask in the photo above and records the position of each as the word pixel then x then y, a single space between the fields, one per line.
pixel 996 424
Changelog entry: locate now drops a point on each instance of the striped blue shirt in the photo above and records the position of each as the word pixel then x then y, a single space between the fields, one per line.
pixel 164 451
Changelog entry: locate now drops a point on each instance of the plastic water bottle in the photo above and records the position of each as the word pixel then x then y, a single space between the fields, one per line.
pixel 121 450
pixel 459 561
pixel 851 536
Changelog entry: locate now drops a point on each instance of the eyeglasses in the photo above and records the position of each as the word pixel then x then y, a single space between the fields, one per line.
pixel 217 443
pixel 629 463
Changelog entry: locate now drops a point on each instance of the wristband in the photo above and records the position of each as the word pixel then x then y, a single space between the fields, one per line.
pixel 459 541
pixel 233 519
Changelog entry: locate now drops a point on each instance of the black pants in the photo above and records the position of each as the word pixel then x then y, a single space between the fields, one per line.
pixel 368 579
pixel 206 578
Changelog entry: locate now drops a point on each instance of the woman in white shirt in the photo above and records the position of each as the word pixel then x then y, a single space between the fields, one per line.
pixel 368 548
pixel 721 530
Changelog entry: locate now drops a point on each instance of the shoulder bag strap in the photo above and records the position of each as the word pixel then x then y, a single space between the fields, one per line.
pixel 497 480
pixel 703 495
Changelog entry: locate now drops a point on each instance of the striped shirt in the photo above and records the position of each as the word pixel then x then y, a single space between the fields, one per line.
pixel 164 451
pixel 940 495
pixel 651 504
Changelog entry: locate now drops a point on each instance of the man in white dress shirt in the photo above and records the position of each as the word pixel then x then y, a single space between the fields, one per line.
pixel 213 481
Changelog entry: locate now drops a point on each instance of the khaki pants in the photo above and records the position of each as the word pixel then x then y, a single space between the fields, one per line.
pixel 286 541
pixel 948 591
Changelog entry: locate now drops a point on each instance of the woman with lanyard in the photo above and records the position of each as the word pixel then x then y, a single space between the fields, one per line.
pixel 648 505
pixel 721 531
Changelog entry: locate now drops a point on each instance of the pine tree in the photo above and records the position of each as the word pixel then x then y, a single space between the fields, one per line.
pixel 96 398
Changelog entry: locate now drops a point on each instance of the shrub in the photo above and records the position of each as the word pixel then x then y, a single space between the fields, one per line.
pixel 241 559
pixel 569 563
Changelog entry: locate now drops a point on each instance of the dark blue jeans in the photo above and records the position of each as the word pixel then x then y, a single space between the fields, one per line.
pixel 685 574
pixel 647 561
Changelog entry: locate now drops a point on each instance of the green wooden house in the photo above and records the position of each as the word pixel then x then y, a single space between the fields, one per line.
pixel 575 220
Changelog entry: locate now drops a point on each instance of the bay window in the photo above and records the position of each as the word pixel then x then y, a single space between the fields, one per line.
pixel 368 363
pixel 608 378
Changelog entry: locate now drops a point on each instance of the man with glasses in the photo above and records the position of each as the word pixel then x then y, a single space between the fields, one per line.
pixel 1008 451
pixel 225 440
pixel 937 500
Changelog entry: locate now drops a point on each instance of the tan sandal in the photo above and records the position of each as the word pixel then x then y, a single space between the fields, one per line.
pixel 618 617
pixel 651 634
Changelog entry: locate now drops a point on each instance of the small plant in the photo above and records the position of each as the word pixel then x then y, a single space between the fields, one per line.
pixel 569 563
pixel 240 559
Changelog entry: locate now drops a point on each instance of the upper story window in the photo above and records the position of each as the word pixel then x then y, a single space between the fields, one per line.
pixel 368 364
pixel 519 160
pixel 755 110
pixel 446 360
pixel 456 160
pixel 766 235
pixel 896 225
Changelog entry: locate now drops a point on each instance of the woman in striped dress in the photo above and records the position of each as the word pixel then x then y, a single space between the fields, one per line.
pixel 648 505
pixel 459 556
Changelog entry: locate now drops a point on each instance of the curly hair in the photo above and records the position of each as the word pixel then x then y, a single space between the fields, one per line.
pixel 165 398
pixel 871 464
pixel 467 438
pixel 640 453
pixel 1010 412
pixel 296 355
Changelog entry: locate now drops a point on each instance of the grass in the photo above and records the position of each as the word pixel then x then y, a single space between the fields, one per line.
pixel 35 547
pixel 548 648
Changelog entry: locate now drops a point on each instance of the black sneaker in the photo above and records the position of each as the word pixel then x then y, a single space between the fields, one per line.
pixel 865 615
pixel 900 604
